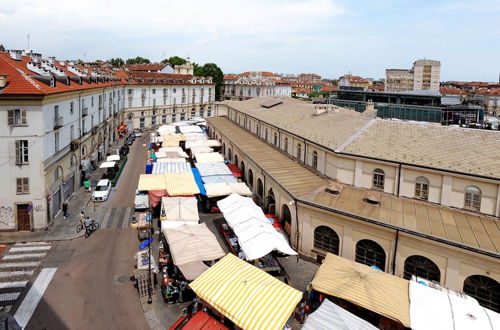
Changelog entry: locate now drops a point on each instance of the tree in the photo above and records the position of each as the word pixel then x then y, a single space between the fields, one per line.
pixel 117 62
pixel 138 60
pixel 174 60
pixel 212 70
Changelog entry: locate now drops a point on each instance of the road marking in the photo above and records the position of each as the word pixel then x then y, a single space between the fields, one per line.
pixel 24 256
pixel 29 248
pixel 106 218
pixel 25 311
pixel 111 218
pixel 16 273
pixel 31 243
pixel 126 221
pixel 15 284
pixel 9 296
pixel 19 264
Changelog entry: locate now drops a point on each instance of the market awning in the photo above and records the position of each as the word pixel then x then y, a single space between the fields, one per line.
pixel 107 165
pixel 164 167
pixel 178 150
pixel 201 149
pixel 235 170
pixel 199 182
pixel 180 208
pixel 177 184
pixel 208 157
pixel 331 316
pixel 246 295
pixel 213 168
pixel 219 179
pixel 190 129
pixel 226 189
pixel 113 158
pixel 364 286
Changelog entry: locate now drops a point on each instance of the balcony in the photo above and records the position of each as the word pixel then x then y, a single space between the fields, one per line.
pixel 85 112
pixel 74 145
pixel 58 122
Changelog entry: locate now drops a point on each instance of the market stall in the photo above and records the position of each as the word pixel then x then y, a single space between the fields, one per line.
pixel 113 158
pixel 176 184
pixel 208 157
pixel 176 211
pixel 172 167
pixel 249 297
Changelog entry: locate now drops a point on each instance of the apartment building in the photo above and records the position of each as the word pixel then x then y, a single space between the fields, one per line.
pixel 254 84
pixel 354 82
pixel 424 75
pixel 408 198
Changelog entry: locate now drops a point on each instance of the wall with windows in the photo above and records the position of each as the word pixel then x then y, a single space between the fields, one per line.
pixel 488 194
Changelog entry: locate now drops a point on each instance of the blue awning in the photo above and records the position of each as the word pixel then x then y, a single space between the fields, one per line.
pixel 199 182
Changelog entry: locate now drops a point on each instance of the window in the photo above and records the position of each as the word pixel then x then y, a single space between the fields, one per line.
pixel 175 90
pixel 142 113
pixel 154 91
pixel 275 139
pixel 143 102
pixel 299 151
pixel 370 253
pixel 326 239
pixel 473 198
pixel 83 126
pixel 265 134
pixel 193 112
pixel 164 92
pixel 286 145
pixel 153 121
pixel 378 179
pixel 183 116
pixel 315 160
pixel 141 122
pixel 209 113
pixel 16 117
pixel 486 290
pixel 164 119
pixel 154 112
pixel 201 113
pixel 173 118
pixel 422 188
pixel 154 102
pixel 22 186
pixel 92 101
pixel 56 142
pixel 129 91
pixel 72 132
pixel 422 267
pixel 71 108
pixel 21 152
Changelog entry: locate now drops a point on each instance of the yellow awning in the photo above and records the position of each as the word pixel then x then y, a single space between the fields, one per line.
pixel 246 295
pixel 176 184
pixel 367 287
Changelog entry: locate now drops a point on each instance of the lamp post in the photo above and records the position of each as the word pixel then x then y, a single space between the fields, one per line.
pixel 150 285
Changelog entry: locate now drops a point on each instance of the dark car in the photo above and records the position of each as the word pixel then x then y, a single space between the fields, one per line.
pixel 124 150
pixel 131 136
pixel 128 142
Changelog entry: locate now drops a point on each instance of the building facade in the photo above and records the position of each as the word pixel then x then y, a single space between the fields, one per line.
pixel 378 192
pixel 254 84
pixel 424 75
pixel 354 82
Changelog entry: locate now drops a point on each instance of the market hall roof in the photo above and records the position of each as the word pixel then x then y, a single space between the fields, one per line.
pixel 454 149
pixel 467 230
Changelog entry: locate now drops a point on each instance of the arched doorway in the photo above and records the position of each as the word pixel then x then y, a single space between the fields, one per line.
pixel 260 190
pixel 422 267
pixel 229 155
pixel 224 149
pixel 286 219
pixel 485 289
pixel 236 159
pixel 370 253
pixel 270 202
pixel 250 178
pixel 242 168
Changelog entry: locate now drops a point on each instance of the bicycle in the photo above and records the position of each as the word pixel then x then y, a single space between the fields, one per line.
pixel 89 229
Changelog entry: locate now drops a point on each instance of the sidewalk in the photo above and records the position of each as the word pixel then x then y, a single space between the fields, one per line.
pixel 64 229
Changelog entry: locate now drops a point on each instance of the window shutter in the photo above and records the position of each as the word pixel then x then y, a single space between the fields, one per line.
pixel 23 117
pixel 19 185
pixel 26 187
pixel 10 116
pixel 18 152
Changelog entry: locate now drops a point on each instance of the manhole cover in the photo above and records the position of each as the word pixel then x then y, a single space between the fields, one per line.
pixel 122 278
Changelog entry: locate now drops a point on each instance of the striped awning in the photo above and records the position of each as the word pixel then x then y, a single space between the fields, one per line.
pixel 364 286
pixel 176 184
pixel 246 295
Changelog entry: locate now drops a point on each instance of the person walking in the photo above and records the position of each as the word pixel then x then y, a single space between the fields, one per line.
pixel 82 218
pixel 86 184
pixel 65 210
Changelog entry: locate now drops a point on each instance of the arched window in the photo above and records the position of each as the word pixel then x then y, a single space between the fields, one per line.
pixel 486 290
pixel 326 239
pixel 378 179
pixel 299 151
pixel 223 148
pixel 73 160
pixel 260 188
pixel 422 267
pixel 285 147
pixel 370 253
pixel 58 173
pixel 472 198
pixel 275 139
pixel 229 155
pixel 315 160
pixel 242 169
pixel 422 188
pixel 265 134
pixel 236 159
pixel 250 178
pixel 286 219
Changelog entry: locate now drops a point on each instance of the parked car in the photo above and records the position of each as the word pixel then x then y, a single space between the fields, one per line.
pixel 131 136
pixel 137 132
pixel 102 191
pixel 128 142
pixel 124 150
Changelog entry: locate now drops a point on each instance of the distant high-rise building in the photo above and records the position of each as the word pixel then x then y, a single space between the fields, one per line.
pixel 424 75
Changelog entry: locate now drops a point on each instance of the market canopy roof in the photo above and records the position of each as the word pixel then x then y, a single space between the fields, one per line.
pixel 213 168
pixel 190 129
pixel 177 150
pixel 440 308
pixel 208 157
pixel 246 295
pixel 201 149
pixel 364 286
pixel 107 165
pixel 331 316
pixel 198 143
pixel 192 243
pixel 226 189
pixel 180 208
pixel 235 170
pixel 177 184
pixel 164 167
pixel 219 179
pixel 171 160
pixel 112 158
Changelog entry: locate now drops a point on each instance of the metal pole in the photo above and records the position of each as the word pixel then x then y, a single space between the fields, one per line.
pixel 150 285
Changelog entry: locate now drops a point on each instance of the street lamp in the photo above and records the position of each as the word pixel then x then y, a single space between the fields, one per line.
pixel 150 285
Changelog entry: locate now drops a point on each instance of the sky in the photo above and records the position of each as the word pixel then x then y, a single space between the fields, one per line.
pixel 328 37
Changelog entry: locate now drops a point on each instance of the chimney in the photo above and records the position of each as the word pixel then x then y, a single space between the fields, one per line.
pixel 52 59
pixel 15 54
pixel 3 80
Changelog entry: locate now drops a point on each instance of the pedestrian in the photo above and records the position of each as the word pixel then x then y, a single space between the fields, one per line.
pixel 86 184
pixel 82 218
pixel 65 210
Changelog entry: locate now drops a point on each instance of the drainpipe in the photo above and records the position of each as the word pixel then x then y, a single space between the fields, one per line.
pixel 399 180
pixel 395 251
pixel 305 152
pixel 297 232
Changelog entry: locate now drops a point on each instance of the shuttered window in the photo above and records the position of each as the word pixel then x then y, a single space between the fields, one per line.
pixel 21 152
pixel 22 186
pixel 16 117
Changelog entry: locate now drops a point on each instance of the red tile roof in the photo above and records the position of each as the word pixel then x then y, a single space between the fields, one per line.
pixel 146 67
pixel 328 88
pixel 356 79
pixel 230 77
pixel 450 90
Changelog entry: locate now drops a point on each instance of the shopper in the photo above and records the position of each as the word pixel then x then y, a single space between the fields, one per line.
pixel 65 210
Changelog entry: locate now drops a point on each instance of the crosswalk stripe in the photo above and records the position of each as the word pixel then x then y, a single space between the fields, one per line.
pixel 121 217
pixel 16 273
pixel 126 221
pixel 29 248
pixel 9 296
pixel 19 264
pixel 111 218
pixel 106 218
pixel 14 284
pixel 24 256
pixel 31 243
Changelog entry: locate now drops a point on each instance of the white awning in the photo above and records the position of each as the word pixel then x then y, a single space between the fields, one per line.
pixel 331 316
pixel 113 158
pixel 180 209
pixel 107 165
pixel 226 189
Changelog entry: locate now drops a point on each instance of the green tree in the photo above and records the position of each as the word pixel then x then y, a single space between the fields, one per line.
pixel 117 62
pixel 138 60
pixel 212 70
pixel 174 60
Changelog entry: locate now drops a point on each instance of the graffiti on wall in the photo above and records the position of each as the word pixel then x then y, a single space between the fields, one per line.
pixel 6 215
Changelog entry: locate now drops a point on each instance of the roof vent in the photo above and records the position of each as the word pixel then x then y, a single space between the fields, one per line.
pixel 321 109
pixel 15 54
pixel 334 188
pixel 271 103
pixel 372 198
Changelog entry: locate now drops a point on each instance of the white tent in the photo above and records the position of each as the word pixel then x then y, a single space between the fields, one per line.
pixel 331 316
pixel 164 167
pixel 201 149
pixel 256 235
pixel 190 129
pixel 226 189
pixel 180 209
pixel 177 150
pixel 165 129
pixel 209 157
pixel 440 308
pixel 107 165
pixel 113 158
pixel 214 168
pixel 171 160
